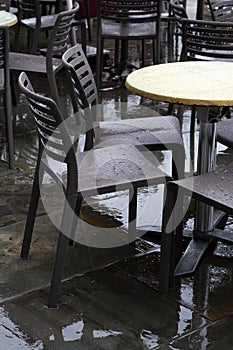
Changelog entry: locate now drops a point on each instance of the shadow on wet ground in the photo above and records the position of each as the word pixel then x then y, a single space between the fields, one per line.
pixel 109 298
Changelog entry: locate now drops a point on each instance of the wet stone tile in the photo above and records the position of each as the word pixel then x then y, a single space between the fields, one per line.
pixel 216 336
pixel 101 310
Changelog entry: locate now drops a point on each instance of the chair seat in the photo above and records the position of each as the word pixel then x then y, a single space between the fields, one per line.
pixel 214 188
pixel 116 166
pixel 150 132
pixel 46 21
pixel 128 30
pixel 32 63
pixel 225 131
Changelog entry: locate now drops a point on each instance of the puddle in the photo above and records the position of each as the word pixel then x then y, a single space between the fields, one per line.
pixel 12 337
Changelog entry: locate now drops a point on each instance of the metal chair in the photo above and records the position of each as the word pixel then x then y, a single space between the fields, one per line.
pixel 207 40
pixel 177 11
pixel 51 64
pixel 5 90
pixel 221 10
pixel 29 16
pixel 123 21
pixel 214 189
pixel 156 133
pixel 94 171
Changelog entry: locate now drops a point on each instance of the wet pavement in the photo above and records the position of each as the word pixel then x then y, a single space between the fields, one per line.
pixel 109 297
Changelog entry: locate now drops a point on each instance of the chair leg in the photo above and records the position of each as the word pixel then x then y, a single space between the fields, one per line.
pixel 99 62
pixel 13 94
pixel 32 211
pixel 87 5
pixel 63 241
pixel 53 87
pixel 9 126
pixel 167 258
pixel 132 214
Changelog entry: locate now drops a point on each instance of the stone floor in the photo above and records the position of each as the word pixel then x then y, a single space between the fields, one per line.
pixel 109 297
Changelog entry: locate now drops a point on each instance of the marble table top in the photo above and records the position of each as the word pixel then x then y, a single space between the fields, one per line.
pixel 190 83
pixel 7 19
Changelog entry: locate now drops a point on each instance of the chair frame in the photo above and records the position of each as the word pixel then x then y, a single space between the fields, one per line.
pixel 48 118
pixel 127 21
pixel 142 131
pixel 57 45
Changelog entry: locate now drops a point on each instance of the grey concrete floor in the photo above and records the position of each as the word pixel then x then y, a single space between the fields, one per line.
pixel 109 297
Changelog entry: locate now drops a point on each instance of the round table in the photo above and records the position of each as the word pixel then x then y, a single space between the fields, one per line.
pixel 7 19
pixel 190 83
pixel 199 83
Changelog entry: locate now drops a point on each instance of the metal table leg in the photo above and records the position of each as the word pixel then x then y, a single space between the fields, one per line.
pixel 204 218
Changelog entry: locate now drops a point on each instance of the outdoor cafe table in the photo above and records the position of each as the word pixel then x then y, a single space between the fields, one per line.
pixel 7 19
pixel 200 83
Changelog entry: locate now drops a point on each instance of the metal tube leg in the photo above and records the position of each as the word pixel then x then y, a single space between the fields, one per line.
pixel 206 163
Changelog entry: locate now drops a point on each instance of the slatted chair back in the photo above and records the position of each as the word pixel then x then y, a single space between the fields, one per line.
pixel 207 40
pixel 129 11
pixel 82 87
pixel 28 9
pixel 54 138
pixel 221 10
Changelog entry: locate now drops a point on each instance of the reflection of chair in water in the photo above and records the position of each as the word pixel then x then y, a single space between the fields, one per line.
pixel 123 21
pixel 50 65
pixel 86 173
pixel 155 133
pixel 5 90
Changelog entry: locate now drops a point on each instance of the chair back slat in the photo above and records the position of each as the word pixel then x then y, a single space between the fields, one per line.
pixel 129 11
pixel 54 137
pixel 207 39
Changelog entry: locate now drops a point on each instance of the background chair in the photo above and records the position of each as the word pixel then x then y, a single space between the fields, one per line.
pixel 30 17
pixel 5 5
pixel 155 133
pixel 221 10
pixel 207 40
pixel 126 173
pixel 51 64
pixel 124 21
pixel 214 189
pixel 177 12
pixel 5 90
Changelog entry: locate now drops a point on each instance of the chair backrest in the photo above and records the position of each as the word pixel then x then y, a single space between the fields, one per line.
pixel 54 137
pixel 82 84
pixel 221 10
pixel 60 34
pixel 29 9
pixel 4 55
pixel 129 11
pixel 207 40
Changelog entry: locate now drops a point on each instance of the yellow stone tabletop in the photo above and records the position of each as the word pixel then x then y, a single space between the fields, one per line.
pixel 191 83
pixel 7 19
